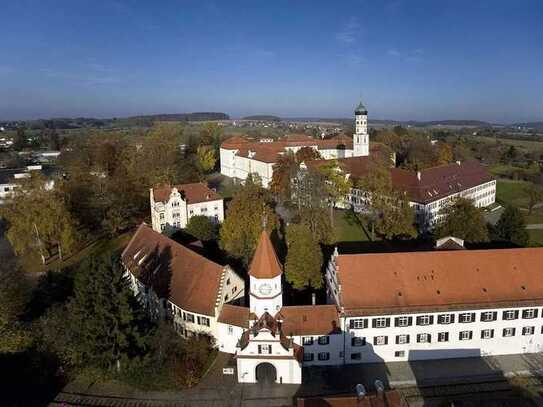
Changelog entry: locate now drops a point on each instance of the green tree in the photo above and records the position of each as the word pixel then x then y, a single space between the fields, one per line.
pixel 393 217
pixel 511 227
pixel 304 258
pixel 206 158
pixel 210 135
pixel 202 228
pixel 249 208
pixel 463 220
pixel 39 220
pixel 20 141
pixel 336 185
pixel 103 325
pixel 318 222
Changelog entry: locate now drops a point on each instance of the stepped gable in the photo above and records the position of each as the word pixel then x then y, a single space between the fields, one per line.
pixel 186 278
pixel 439 280
pixel 196 192
pixel 265 264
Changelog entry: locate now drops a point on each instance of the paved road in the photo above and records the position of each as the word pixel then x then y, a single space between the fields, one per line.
pixel 219 390
pixel 535 226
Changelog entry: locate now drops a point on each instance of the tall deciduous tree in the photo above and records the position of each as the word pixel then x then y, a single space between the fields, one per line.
pixel 39 220
pixel 307 154
pixel 535 196
pixel 511 227
pixel 202 228
pixel 463 220
pixel 284 170
pixel 393 215
pixel 206 158
pixel 246 213
pixel 336 185
pixel 304 258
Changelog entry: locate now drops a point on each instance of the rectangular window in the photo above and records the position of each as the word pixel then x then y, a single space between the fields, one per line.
pixel 487 334
pixel 380 322
pixel 424 338
pixel 358 323
pixel 399 353
pixel 230 330
pixel 508 332
pixel 380 340
pixel 528 330
pixel 324 356
pixel 307 340
pixel 356 356
pixel 402 339
pixel 264 349
pixel 445 319
pixel 465 335
pixel 489 316
pixel 510 315
pixel 443 337
pixel 308 357
pixel 357 341
pixel 425 320
pixel 324 340
pixel 529 313
pixel 466 317
pixel 189 317
pixel 402 322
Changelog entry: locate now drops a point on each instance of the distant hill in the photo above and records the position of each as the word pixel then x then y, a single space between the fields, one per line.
pixel 262 117
pixel 193 117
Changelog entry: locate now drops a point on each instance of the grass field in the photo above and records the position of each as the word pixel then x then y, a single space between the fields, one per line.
pixel 526 144
pixel 510 192
pixel 348 228
pixel 536 237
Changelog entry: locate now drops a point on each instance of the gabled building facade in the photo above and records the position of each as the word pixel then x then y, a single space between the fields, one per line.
pixel 173 206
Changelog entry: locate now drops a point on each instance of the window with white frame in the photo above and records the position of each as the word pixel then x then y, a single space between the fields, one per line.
pixel 230 330
pixel 358 323
pixel 381 322
pixel 380 340
pixel 445 319
pixel 488 316
pixel 425 319
pixel 402 321
pixel 443 337
pixel 466 317
pixel 308 356
pixel 508 332
pixel 358 341
pixel 324 355
pixel 528 330
pixel 529 313
pixel 399 353
pixel 324 340
pixel 402 339
pixel 487 334
pixel 307 340
pixel 510 315
pixel 423 338
pixel 264 349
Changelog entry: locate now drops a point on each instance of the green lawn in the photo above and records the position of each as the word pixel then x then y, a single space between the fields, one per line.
pixel 535 217
pixel 536 237
pixel 510 192
pixel 348 228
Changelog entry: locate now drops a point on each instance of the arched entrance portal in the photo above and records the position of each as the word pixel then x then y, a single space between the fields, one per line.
pixel 266 373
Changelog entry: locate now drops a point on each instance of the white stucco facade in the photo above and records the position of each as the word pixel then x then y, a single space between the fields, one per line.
pixel 174 213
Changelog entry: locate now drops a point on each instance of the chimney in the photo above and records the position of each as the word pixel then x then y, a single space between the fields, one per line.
pixel 458 163
pixel 313 299
pixel 419 175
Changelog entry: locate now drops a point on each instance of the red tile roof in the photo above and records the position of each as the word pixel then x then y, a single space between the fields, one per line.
pixel 265 263
pixel 309 320
pixel 269 151
pixel 192 193
pixel 234 315
pixel 402 282
pixel 186 278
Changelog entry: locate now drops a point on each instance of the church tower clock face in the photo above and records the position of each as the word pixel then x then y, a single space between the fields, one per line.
pixel 265 289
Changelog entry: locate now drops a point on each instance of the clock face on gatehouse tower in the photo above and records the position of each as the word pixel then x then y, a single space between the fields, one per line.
pixel 264 289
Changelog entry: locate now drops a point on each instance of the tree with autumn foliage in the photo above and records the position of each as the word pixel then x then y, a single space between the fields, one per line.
pixel 284 170
pixel 307 154
pixel 463 220
pixel 206 158
pixel 336 184
pixel 394 218
pixel 304 258
pixel 250 208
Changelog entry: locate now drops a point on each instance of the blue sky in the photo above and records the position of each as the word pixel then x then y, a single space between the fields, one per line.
pixel 407 59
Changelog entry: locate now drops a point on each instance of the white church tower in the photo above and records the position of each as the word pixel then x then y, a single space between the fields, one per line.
pixel 361 137
pixel 266 294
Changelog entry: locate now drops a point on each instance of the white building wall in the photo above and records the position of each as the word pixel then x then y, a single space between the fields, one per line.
pixel 321 353
pixel 288 371
pixel 453 347
pixel 260 302
pixel 228 337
